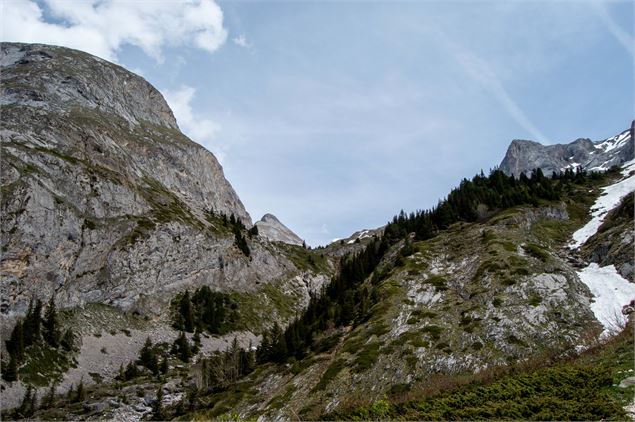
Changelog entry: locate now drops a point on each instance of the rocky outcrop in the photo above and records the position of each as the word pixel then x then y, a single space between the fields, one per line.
pixel 103 198
pixel 524 156
pixel 271 228
pixel 613 243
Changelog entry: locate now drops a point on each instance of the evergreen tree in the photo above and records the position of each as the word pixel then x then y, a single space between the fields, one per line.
pixel 185 309
pixel 181 348
pixel 80 394
pixel 27 407
pixel 148 357
pixel 15 344
pixel 164 365
pixel 51 330
pixel 10 369
pixel 70 394
pixel 32 323
pixel 49 400
pixel 131 372
pixel 158 414
pixel 68 340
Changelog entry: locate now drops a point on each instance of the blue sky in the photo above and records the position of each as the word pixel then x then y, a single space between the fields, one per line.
pixel 335 115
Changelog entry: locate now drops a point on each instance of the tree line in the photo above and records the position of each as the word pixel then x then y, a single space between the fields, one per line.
pixel 348 298
pixel 33 331
pixel 204 310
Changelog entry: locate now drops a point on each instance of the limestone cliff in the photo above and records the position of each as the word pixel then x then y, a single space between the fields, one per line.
pixel 104 200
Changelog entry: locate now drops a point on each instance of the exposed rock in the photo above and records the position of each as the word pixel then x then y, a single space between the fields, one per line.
pixel 524 156
pixel 271 228
pixel 613 243
pixel 104 200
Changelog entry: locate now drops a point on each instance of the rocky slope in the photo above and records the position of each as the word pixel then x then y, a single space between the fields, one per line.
pixel 524 156
pixel 103 198
pixel 476 296
pixel 271 228
pixel 106 203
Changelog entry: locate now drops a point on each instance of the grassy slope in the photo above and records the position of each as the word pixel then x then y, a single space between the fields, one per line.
pixel 579 388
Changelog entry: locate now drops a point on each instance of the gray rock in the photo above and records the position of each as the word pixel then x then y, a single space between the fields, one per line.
pixel 524 156
pixel 104 200
pixel 627 382
pixel 271 228
pixel 96 407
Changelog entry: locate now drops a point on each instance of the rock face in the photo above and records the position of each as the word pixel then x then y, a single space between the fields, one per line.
pixel 103 198
pixel 271 228
pixel 524 156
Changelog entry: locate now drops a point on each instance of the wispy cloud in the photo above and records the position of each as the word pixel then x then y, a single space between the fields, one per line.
pixel 242 41
pixel 102 27
pixel 479 70
pixel 200 129
pixel 613 27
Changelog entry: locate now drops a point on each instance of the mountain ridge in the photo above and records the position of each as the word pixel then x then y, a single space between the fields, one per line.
pixel 523 156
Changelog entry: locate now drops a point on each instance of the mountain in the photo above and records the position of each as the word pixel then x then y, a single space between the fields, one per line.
pixel 173 307
pixel 105 201
pixel 524 156
pixel 271 228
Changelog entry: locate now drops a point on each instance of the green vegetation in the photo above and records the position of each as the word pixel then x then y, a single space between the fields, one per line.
pixel 331 372
pixel 204 310
pixel 37 350
pixel 367 357
pixel 536 251
pixel 583 388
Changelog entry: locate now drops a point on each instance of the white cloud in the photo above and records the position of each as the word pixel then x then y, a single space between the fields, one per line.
pixel 101 27
pixel 241 41
pixel 200 129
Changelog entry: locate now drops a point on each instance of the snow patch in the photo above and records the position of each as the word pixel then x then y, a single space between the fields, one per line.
pixel 609 199
pixel 615 142
pixel 610 292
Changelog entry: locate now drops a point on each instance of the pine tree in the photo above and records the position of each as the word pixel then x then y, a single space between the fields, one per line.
pixel 80 394
pixel 68 340
pixel 10 369
pixel 26 408
pixel 15 344
pixel 164 365
pixel 51 330
pixel 185 309
pixel 148 358
pixel 49 400
pixel 70 394
pixel 158 414
pixel 181 348
pixel 131 371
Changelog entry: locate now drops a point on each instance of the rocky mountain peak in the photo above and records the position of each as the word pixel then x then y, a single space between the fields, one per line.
pixel 103 198
pixel 271 228
pixel 71 78
pixel 523 156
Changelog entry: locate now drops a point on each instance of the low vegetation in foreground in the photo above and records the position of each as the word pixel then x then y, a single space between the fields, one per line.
pixel 585 387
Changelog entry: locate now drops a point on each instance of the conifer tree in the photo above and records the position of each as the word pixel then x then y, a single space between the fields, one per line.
pixel 164 365
pixel 158 414
pixel 51 330
pixel 49 400
pixel 187 314
pixel 80 394
pixel 10 369
pixel 181 348
pixel 68 340
pixel 15 344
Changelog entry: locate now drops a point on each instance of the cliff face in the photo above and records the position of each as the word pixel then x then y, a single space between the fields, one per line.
pixel 524 156
pixel 103 198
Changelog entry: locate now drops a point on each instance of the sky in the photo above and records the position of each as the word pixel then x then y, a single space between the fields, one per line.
pixel 334 115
